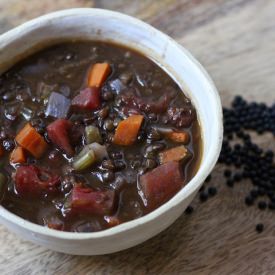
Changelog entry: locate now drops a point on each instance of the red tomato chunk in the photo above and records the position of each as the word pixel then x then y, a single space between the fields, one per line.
pixel 87 99
pixel 58 133
pixel 160 184
pixel 85 200
pixel 31 181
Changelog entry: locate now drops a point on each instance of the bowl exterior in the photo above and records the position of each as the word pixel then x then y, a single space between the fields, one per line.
pixel 96 24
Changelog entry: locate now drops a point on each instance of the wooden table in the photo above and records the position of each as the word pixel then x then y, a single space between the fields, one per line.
pixel 235 41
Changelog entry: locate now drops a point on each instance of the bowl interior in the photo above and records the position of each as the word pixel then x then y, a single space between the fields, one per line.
pixel 102 25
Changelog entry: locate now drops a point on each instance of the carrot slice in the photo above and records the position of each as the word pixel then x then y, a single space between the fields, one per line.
pixel 18 155
pixel 29 139
pixel 181 137
pixel 127 130
pixel 98 74
pixel 173 154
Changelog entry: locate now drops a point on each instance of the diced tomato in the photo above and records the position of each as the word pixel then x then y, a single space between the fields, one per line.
pixel 86 200
pixel 58 133
pixel 31 181
pixel 87 99
pixel 160 184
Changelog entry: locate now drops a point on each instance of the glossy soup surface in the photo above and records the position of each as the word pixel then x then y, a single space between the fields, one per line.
pixel 141 163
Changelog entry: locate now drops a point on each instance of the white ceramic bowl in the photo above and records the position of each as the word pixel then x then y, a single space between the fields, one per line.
pixel 97 24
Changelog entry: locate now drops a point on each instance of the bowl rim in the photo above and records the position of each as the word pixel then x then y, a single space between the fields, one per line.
pixel 176 199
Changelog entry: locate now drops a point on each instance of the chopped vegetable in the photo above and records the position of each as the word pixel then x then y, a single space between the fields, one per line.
pixel 90 154
pixel 117 86
pixel 170 133
pixel 31 181
pixel 160 184
pixel 181 137
pixel 87 99
pixel 58 105
pixel 99 150
pixel 86 200
pixel 127 130
pixel 85 159
pixel 29 139
pixel 176 153
pixel 58 133
pixel 92 134
pixel 98 74
pixel 18 155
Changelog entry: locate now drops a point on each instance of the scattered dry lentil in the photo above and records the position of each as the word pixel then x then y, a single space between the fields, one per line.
pixel 245 159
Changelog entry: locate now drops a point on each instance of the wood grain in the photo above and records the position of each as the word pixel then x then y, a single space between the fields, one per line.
pixel 235 41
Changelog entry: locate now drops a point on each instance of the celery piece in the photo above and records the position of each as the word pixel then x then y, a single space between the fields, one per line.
pixel 84 159
pixel 92 134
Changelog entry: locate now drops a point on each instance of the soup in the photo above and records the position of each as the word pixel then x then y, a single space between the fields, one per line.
pixel 93 135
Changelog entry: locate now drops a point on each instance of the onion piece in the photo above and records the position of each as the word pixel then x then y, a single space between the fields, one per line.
pixel 117 86
pixel 99 150
pixel 58 105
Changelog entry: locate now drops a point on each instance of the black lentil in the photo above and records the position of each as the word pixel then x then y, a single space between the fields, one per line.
pixel 259 227
pixel 103 113
pixel 271 206
pixel 108 176
pixel 203 196
pixel 202 188
pixel 109 125
pixel 108 164
pixel 262 205
pixel 212 191
pixel 227 173
pixel 119 164
pixel 208 178
pixel 249 200
pixel 108 95
pixel 237 177
pixel 230 183
pixel 189 210
pixel 8 145
pixel 150 163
